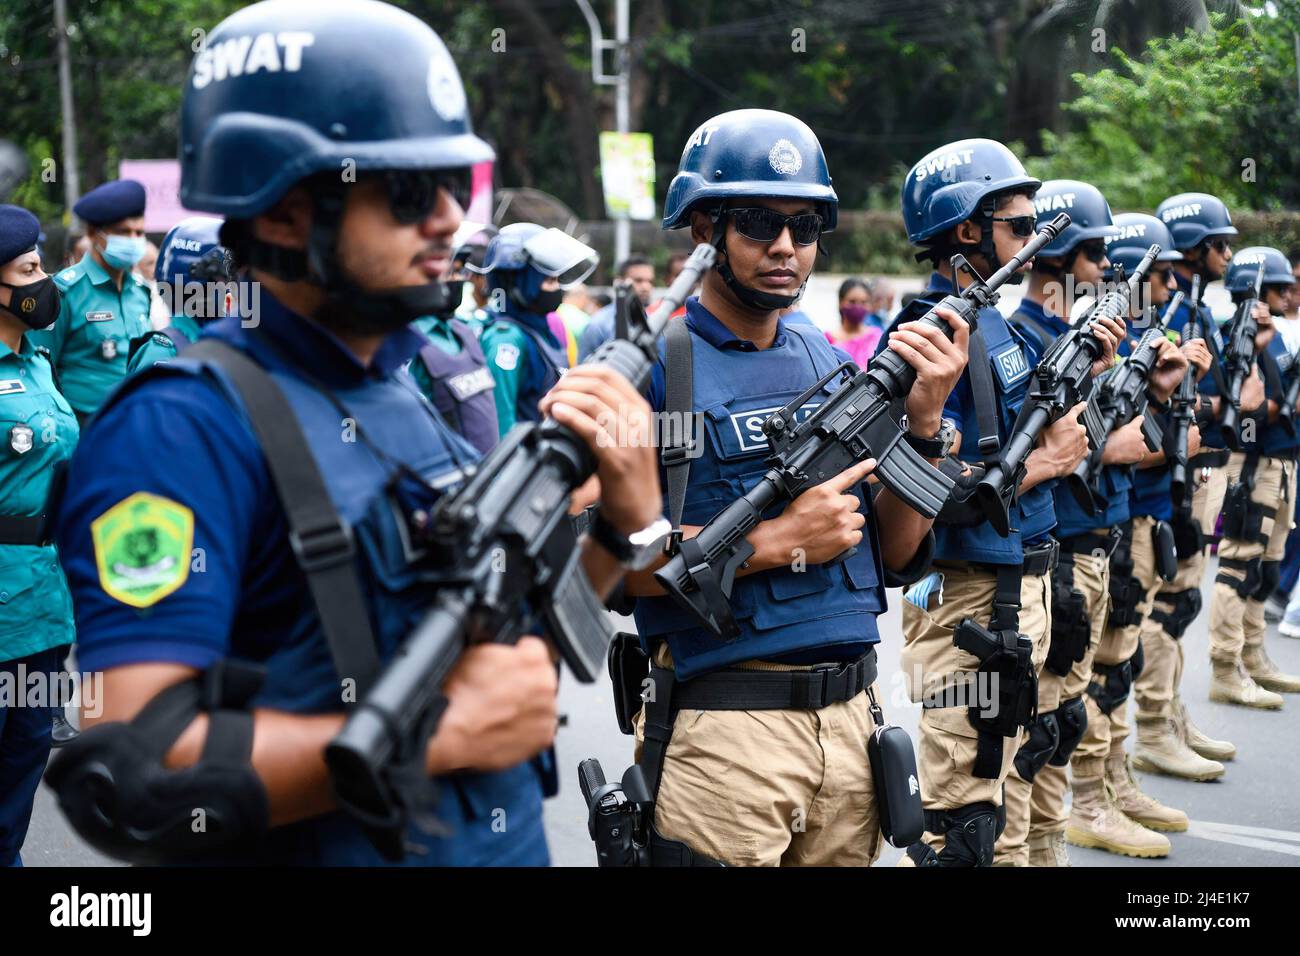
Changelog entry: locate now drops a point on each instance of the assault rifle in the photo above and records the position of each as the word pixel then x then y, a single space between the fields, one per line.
pixel 1182 410
pixel 1061 380
pixel 1120 398
pixel 1239 359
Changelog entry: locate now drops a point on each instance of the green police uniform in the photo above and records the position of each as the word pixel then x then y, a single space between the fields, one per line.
pixel 89 341
pixel 37 431
pixel 157 347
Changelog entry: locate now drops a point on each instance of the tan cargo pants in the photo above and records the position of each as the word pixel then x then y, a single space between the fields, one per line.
pixel 1237 623
pixel 948 741
pixel 770 787
pixel 1106 733
pixel 1048 812
pixel 1162 669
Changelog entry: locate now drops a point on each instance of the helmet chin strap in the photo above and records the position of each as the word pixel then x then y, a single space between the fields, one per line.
pixel 755 299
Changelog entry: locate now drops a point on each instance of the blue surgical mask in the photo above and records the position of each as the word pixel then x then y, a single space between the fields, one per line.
pixel 122 252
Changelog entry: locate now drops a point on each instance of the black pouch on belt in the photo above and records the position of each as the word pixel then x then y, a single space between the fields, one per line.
pixel 898 788
pixel 1188 537
pixel 1166 550
pixel 629 667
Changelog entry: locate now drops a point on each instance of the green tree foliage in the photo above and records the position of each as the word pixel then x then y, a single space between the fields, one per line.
pixel 1211 112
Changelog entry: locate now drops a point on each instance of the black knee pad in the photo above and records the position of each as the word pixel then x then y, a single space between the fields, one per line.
pixel 1253 572
pixel 1111 683
pixel 1072 719
pixel 970 838
pixel 1044 737
pixel 1186 606
pixel 1270 573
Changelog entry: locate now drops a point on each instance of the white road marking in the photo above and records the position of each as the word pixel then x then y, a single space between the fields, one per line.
pixel 1257 838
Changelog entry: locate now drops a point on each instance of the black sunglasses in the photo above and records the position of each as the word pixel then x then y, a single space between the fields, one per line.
pixel 764 225
pixel 1022 227
pixel 1160 275
pixel 1094 251
pixel 413 193
pixel 1219 244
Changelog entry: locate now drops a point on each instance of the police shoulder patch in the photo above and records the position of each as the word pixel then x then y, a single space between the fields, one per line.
pixel 142 548
pixel 507 356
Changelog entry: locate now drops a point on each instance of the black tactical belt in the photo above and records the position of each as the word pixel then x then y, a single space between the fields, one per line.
pixel 22 530
pixel 814 689
pixel 1216 458
pixel 1091 542
pixel 1040 559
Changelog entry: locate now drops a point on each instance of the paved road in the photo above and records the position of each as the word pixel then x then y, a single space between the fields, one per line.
pixel 1248 818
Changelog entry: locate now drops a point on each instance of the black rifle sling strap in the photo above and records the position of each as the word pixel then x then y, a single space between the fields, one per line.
pixel 321 539
pixel 986 400
pixel 679 406
pixel 1272 373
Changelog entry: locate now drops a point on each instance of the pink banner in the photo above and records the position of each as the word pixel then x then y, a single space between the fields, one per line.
pixel 161 179
pixel 480 203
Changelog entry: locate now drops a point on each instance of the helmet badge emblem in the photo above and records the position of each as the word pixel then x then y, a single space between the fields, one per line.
pixel 445 92
pixel 785 158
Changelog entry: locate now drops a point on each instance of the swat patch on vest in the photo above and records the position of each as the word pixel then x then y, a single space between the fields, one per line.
pixel 99 316
pixel 468 384
pixel 1010 365
pixel 507 357
pixel 748 426
pixel 11 386
pixel 142 548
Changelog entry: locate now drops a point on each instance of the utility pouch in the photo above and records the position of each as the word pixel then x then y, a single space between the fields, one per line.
pixel 898 788
pixel 628 669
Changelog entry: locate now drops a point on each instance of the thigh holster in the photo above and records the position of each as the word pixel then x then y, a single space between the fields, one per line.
pixel 1071 629
pixel 1125 591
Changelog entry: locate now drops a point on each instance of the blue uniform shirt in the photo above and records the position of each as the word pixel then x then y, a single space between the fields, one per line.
pixel 174 435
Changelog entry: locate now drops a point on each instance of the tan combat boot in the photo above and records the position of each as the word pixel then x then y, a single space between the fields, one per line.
pixel 1266 674
pixel 1159 750
pixel 1232 685
pixel 1096 822
pixel 1135 804
pixel 1194 737
pixel 1048 849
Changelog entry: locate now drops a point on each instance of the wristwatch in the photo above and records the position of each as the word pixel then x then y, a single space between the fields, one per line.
pixel 936 447
pixel 634 551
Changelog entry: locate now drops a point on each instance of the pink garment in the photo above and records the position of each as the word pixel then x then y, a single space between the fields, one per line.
pixel 860 349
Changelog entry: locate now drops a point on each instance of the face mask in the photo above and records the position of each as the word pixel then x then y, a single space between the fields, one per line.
pixel 546 302
pixel 853 314
pixel 36 304
pixel 122 252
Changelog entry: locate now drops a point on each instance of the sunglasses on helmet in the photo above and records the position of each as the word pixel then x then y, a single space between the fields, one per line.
pixel 1022 227
pixel 413 193
pixel 765 225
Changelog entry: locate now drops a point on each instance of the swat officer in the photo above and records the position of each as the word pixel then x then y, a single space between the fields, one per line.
pixel 1256 515
pixel 974 197
pixel 194 277
pixel 1108 810
pixel 1201 228
pixel 105 303
pixel 528 268
pixel 39 431
pixel 1072 265
pixel 344 267
pixel 755 745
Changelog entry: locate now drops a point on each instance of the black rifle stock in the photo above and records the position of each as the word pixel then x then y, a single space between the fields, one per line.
pixel 854 423
pixel 1182 412
pixel 1120 398
pixel 1060 382
pixel 1238 359
pixel 501 553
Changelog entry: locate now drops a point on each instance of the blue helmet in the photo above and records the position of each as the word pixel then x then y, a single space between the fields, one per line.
pixel 190 241
pixel 288 88
pixel 1194 217
pixel 1089 213
pixel 750 153
pixel 523 255
pixel 950 184
pixel 1240 277
pixel 1131 237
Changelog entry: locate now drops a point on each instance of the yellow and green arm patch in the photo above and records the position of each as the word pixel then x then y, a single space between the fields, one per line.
pixel 142 548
